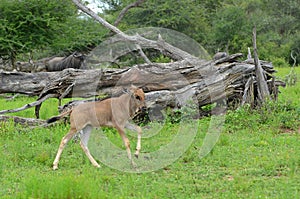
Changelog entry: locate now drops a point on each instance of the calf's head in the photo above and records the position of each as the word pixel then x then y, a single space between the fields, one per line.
pixel 138 98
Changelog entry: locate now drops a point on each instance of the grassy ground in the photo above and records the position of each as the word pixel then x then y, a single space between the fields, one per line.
pixel 256 156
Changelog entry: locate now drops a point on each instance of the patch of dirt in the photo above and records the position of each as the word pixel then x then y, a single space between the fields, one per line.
pixel 285 130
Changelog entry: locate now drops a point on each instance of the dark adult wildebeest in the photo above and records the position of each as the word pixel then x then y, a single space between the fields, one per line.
pixel 75 60
pixel 113 112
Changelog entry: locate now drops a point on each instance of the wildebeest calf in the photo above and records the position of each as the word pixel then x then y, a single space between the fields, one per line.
pixel 113 112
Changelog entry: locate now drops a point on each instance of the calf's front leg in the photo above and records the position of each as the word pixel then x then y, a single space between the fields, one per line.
pixel 139 137
pixel 127 144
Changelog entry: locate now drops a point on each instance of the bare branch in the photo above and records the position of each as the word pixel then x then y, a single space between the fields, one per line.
pixel 294 59
pixel 27 106
pixel 143 55
pixel 137 39
pixel 249 54
pixel 125 10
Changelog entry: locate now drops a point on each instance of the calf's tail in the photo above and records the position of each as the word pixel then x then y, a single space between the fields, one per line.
pixel 58 117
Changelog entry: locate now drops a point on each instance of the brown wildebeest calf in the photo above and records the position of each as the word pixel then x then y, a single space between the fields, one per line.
pixel 113 112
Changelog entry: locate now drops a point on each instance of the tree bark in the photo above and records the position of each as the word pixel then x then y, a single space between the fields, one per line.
pixel 263 89
pixel 87 83
pixel 25 83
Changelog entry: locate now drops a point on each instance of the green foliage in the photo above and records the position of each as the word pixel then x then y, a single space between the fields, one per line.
pixel 46 28
pixel 186 113
pixel 222 25
pixel 184 16
pixel 279 62
pixel 30 24
pixel 283 16
pixel 291 76
pixel 22 100
pixel 282 115
pixel 53 27
pixel 228 24
pixel 162 59
pixel 257 155
pixel 77 34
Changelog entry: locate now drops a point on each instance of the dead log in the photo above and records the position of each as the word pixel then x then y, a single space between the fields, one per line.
pixel 25 83
pixel 23 121
pixel 166 84
pixel 154 76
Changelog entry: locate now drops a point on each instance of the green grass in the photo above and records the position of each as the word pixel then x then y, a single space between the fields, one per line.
pixel 256 156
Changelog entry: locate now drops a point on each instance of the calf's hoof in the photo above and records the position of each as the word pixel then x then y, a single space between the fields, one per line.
pixel 136 154
pixel 97 166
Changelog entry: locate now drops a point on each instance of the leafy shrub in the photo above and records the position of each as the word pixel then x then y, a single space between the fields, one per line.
pixel 241 118
pixel 283 114
pixel 279 62
pixel 278 114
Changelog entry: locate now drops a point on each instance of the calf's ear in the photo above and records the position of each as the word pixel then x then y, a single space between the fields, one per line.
pixel 125 90
pixel 133 87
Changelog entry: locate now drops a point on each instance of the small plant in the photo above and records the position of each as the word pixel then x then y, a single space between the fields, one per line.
pixel 162 59
pixel 173 115
pixel 188 111
pixel 291 78
pixel 240 118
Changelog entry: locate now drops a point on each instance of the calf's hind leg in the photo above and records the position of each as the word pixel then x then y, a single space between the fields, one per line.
pixel 62 145
pixel 84 141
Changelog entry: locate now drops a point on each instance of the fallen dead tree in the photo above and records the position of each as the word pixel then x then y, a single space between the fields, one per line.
pixel 166 85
